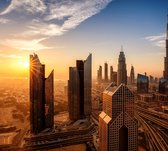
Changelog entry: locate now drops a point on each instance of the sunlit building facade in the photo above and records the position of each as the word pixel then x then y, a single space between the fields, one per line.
pixel 79 89
pixel 41 96
pixel 118 129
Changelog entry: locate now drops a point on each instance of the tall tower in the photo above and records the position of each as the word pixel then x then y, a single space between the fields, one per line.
pixel 105 72
pixel 100 73
pixel 79 89
pixel 122 71
pixel 118 129
pixel 132 75
pixel 111 73
pixel 41 96
pixel 165 72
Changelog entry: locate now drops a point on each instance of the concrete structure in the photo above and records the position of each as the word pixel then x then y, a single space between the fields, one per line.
pixel 41 96
pixel 122 71
pixel 118 129
pixel 79 89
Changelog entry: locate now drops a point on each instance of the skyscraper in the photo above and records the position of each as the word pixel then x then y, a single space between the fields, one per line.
pixel 41 96
pixel 165 72
pixel 118 129
pixel 79 89
pixel 142 83
pixel 105 72
pixel 111 73
pixel 99 74
pixel 132 75
pixel 122 71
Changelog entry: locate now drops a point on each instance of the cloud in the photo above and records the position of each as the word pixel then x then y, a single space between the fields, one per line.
pixel 3 20
pixel 10 56
pixel 157 40
pixel 32 45
pixel 55 17
pixel 30 6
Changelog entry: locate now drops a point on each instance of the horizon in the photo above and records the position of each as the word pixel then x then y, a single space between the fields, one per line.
pixel 100 27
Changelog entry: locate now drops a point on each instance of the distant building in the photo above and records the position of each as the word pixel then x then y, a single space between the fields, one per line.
pixel 122 71
pixel 132 75
pixel 163 86
pixel 99 74
pixel 151 79
pixel 105 72
pixel 79 89
pixel 41 96
pixel 111 73
pixel 142 83
pixel 118 129
pixel 114 77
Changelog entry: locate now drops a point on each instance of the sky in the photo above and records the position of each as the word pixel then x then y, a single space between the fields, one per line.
pixel 62 31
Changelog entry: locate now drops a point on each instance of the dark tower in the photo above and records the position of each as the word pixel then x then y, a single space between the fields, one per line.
pixel 122 71
pixel 111 73
pixel 132 75
pixel 105 72
pixel 79 89
pixel 41 96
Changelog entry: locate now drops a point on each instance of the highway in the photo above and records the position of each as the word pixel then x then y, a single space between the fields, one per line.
pixel 153 124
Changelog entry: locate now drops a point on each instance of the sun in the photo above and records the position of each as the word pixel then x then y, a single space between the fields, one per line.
pixel 25 64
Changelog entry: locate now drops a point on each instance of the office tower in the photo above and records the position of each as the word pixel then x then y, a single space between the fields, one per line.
pixel 118 129
pixel 111 73
pixel 105 72
pixel 165 72
pixel 132 75
pixel 79 89
pixel 122 71
pixel 142 83
pixel 41 96
pixel 99 74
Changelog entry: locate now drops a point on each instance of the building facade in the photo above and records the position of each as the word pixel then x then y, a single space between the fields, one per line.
pixel 41 96
pixel 118 129
pixel 79 89
pixel 122 71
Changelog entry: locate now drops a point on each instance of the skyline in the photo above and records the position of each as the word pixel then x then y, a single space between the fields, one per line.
pixel 61 36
